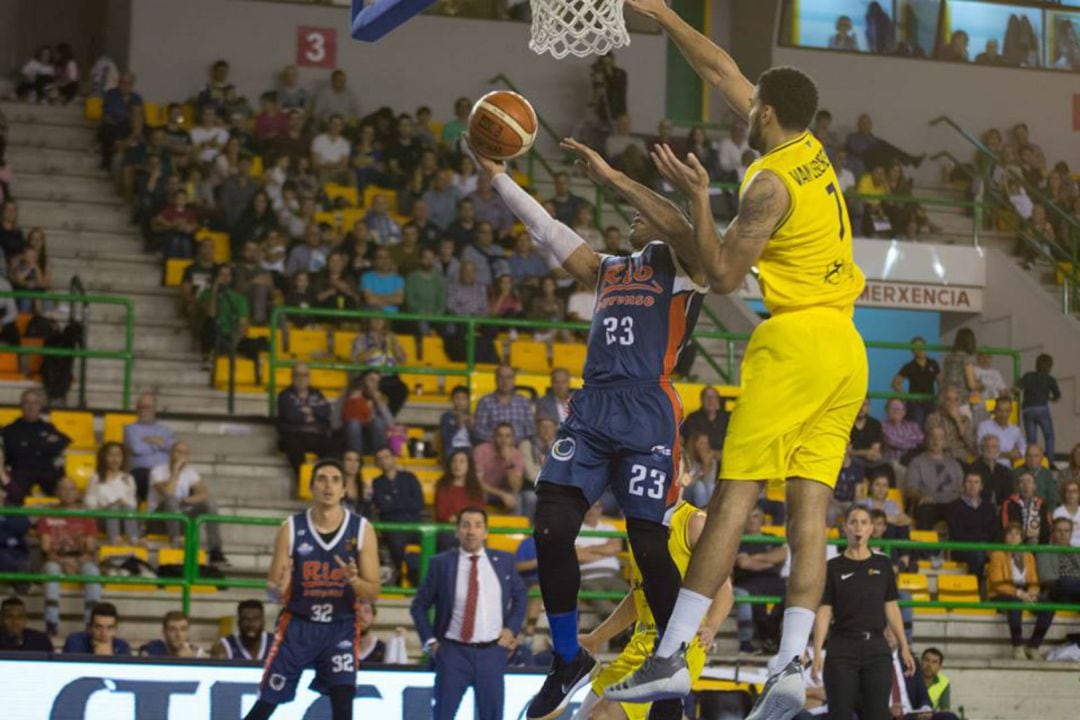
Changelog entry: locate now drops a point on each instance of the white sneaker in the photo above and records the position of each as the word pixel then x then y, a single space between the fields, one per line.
pixel 657 679
pixel 783 695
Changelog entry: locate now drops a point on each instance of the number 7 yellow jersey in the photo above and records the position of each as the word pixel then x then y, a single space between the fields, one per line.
pixel 808 261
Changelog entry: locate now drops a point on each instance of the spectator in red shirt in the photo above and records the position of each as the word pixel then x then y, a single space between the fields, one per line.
pixel 174 227
pixel 457 489
pixel 67 547
pixel 501 467
pixel 271 121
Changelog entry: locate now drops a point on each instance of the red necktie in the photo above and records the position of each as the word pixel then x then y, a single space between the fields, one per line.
pixel 469 621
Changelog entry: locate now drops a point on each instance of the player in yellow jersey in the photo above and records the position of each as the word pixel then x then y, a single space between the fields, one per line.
pixel 687 522
pixel 804 373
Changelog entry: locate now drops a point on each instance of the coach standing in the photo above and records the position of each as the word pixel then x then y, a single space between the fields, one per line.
pixel 859 602
pixel 479 602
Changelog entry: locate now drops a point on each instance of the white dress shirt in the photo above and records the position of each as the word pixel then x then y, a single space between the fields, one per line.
pixel 489 617
pixel 1010 437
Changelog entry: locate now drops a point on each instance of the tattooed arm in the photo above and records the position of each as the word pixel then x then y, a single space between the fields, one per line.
pixel 727 259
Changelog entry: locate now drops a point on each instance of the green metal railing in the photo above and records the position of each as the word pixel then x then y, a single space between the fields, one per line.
pixel 726 370
pixel 126 355
pixel 428 532
pixel 1064 250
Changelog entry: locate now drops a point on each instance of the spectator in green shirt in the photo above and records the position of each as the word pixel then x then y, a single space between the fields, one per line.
pixel 453 129
pixel 425 290
pixel 226 313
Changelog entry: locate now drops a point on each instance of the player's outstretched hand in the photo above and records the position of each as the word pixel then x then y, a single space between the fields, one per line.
pixel 594 165
pixel 648 8
pixel 688 177
pixel 351 571
pixel 489 167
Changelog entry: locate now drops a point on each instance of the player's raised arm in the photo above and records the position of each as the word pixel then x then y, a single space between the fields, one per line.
pixel 560 242
pixel 657 209
pixel 711 62
pixel 764 204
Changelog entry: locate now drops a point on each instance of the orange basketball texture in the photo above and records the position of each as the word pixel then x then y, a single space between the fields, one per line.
pixel 502 125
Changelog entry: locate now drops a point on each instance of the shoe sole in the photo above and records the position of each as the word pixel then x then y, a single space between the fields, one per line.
pixel 585 680
pixel 676 686
pixel 778 705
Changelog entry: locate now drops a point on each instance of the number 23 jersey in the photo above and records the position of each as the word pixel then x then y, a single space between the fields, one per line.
pixel 646 308
pixel 808 261
pixel 318 590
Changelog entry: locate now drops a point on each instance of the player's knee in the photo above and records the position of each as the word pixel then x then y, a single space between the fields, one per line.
pixel 559 512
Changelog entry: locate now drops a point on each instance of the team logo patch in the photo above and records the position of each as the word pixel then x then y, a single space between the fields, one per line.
pixel 563 449
pixel 661 451
pixel 345 644
pixel 301 533
pixel 277 682
pixel 305 549
pixel 873 571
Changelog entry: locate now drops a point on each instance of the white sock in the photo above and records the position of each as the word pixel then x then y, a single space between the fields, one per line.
pixel 798 624
pixel 585 709
pixel 685 620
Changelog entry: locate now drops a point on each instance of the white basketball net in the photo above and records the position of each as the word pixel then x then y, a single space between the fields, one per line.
pixel 577 27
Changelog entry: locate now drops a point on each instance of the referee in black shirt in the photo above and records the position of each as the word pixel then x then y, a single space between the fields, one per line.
pixel 859 600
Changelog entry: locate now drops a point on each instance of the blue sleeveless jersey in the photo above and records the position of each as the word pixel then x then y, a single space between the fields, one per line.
pixel 318 590
pixel 646 309
pixel 235 650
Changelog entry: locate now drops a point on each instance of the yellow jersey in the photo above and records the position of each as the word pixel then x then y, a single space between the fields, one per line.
pixel 679 547
pixel 808 261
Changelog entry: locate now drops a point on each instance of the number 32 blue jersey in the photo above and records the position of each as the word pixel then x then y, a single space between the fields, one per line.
pixel 318 590
pixel 646 308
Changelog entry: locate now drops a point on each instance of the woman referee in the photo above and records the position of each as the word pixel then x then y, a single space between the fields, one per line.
pixel 859 600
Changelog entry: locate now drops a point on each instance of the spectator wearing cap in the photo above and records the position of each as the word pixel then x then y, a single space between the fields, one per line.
pixel 67 547
pixel 34 449
pixel 148 442
pixel 15 636
pixel 100 636
pixel 711 419
pixel 177 487
pixel 335 98
pixel 504 405
pixel 174 641
pixel 303 419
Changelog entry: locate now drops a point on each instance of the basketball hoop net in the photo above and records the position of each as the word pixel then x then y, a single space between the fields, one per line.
pixel 577 27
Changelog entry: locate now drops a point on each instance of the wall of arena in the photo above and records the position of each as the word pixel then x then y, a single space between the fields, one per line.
pixel 466 53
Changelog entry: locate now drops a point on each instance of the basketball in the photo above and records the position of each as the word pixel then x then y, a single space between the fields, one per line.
pixel 502 125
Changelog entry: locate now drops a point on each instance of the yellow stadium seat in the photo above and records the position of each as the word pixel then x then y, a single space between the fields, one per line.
pixel 79 466
pixel 114 426
pixel 425 386
pixel 9 415
pixel 349 194
pixel 505 542
pixel 539 384
pixel 328 379
pixel 435 355
pixel 305 344
pixel 428 478
pixel 896 496
pixel 777 530
pixel 529 356
pixel 351 216
pixel 79 426
pixel 245 372
pixel 926 536
pixel 963 584
pixel 570 356
pixel 343 342
pixel 174 271
pixel 40 501
pixel 391 196
pixel 948 565
pixel 154 114
pixel 258 331
pixel 222 251
pixel 175 556
pixel 408 346
pixel 303 483
pixel 912 582
pixel 93 109
pixel 509 521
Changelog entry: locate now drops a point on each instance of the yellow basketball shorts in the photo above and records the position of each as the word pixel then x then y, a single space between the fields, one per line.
pixel 804 378
pixel 631 658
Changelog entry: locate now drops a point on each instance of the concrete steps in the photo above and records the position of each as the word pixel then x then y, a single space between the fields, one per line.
pixel 55 187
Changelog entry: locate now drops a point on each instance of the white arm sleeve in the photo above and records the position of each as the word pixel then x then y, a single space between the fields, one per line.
pixel 552 236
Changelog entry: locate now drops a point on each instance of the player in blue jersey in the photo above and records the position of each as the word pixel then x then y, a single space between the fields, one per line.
pixel 249 641
pixel 326 560
pixel 623 427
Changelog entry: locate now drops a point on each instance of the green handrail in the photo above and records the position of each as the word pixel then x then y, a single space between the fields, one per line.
pixel 127 355
pixel 429 531
pixel 472 323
